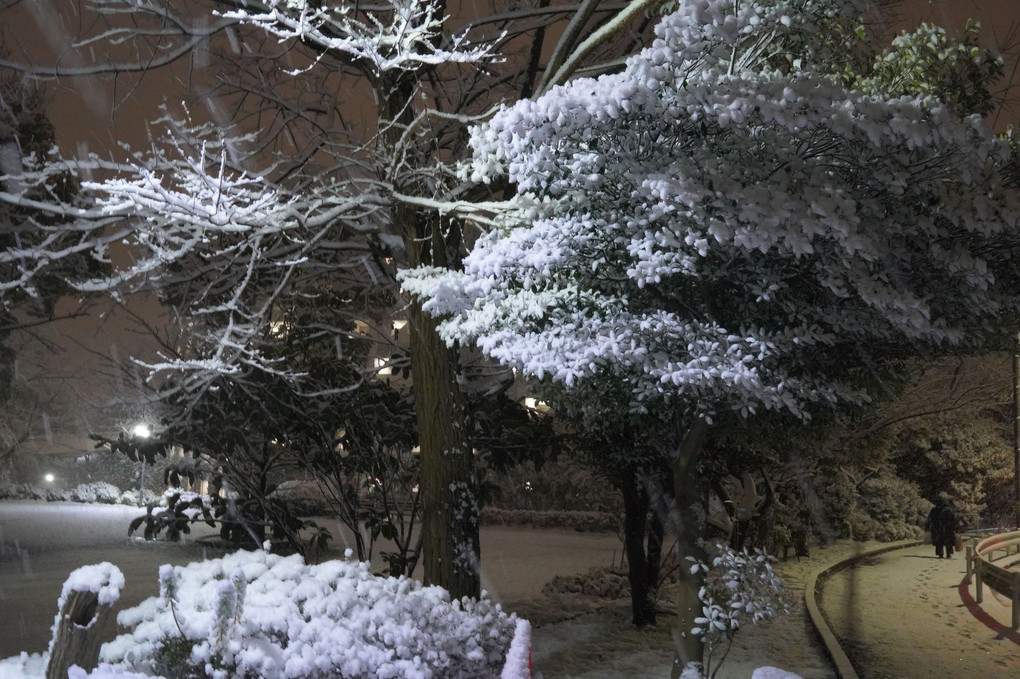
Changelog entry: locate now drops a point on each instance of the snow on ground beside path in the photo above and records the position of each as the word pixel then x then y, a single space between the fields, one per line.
pixel 603 645
pixel 583 638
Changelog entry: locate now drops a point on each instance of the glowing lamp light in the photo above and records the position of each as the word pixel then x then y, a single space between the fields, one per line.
pixel 49 478
pixel 142 431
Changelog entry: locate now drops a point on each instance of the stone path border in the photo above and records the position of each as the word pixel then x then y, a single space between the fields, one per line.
pixel 840 661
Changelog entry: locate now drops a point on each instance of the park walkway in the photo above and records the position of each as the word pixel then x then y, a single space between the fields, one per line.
pixel 906 613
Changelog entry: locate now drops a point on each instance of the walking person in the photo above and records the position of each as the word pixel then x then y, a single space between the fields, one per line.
pixel 941 523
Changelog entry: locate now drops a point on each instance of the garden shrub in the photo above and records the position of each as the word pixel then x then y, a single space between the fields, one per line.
pixel 98 491
pixel 255 614
pixel 884 508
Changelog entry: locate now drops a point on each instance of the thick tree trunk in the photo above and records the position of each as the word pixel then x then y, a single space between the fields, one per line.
pixel 449 510
pixel 450 551
pixel 656 536
pixel 635 506
pixel 690 508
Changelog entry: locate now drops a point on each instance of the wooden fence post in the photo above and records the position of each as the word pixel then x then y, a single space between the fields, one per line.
pixel 977 583
pixel 86 610
pixel 970 563
pixel 1016 600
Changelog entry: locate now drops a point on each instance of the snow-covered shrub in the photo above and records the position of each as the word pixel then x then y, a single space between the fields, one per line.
pixel 23 666
pixel 884 508
pixel 262 615
pixel 603 583
pixel 98 491
pixel 894 507
pixel 740 588
pixel 17 491
pixel 132 497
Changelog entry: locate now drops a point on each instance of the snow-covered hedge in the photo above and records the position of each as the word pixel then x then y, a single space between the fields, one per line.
pixel 99 491
pixel 579 521
pixel 26 491
pixel 258 614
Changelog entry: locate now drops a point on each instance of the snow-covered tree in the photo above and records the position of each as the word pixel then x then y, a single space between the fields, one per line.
pixel 730 224
pixel 353 114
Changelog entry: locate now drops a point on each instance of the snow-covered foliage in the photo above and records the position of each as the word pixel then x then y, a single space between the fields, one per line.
pixel 256 614
pixel 23 666
pixel 518 658
pixel 96 491
pixel 726 224
pixel 740 589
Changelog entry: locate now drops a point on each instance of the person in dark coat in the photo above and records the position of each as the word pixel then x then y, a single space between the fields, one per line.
pixel 941 523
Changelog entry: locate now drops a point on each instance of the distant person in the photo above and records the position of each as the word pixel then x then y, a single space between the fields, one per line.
pixel 941 523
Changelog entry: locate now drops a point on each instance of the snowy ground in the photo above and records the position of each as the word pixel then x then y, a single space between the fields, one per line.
pixel 907 612
pixel 575 636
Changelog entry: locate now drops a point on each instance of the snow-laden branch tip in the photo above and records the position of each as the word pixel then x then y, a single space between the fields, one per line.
pixel 399 35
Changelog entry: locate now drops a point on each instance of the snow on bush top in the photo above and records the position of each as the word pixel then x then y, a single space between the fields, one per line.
pixel 258 614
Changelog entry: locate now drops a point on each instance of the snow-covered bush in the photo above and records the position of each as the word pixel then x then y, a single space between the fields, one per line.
pixel 28 491
pixel 884 508
pixel 98 491
pixel 258 614
pixel 133 497
pixel 21 491
pixel 604 583
pixel 740 588
pixel 894 507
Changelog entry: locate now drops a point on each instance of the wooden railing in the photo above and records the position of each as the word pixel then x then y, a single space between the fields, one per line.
pixel 980 558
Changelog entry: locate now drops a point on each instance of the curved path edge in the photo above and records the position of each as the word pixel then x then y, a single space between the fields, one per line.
pixel 840 661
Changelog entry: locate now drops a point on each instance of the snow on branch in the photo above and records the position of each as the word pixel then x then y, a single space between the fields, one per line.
pixel 227 246
pixel 401 35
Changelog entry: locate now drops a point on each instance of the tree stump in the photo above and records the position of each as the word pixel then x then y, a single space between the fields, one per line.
pixel 78 630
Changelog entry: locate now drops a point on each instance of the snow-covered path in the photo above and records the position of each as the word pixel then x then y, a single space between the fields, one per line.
pixel 907 613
